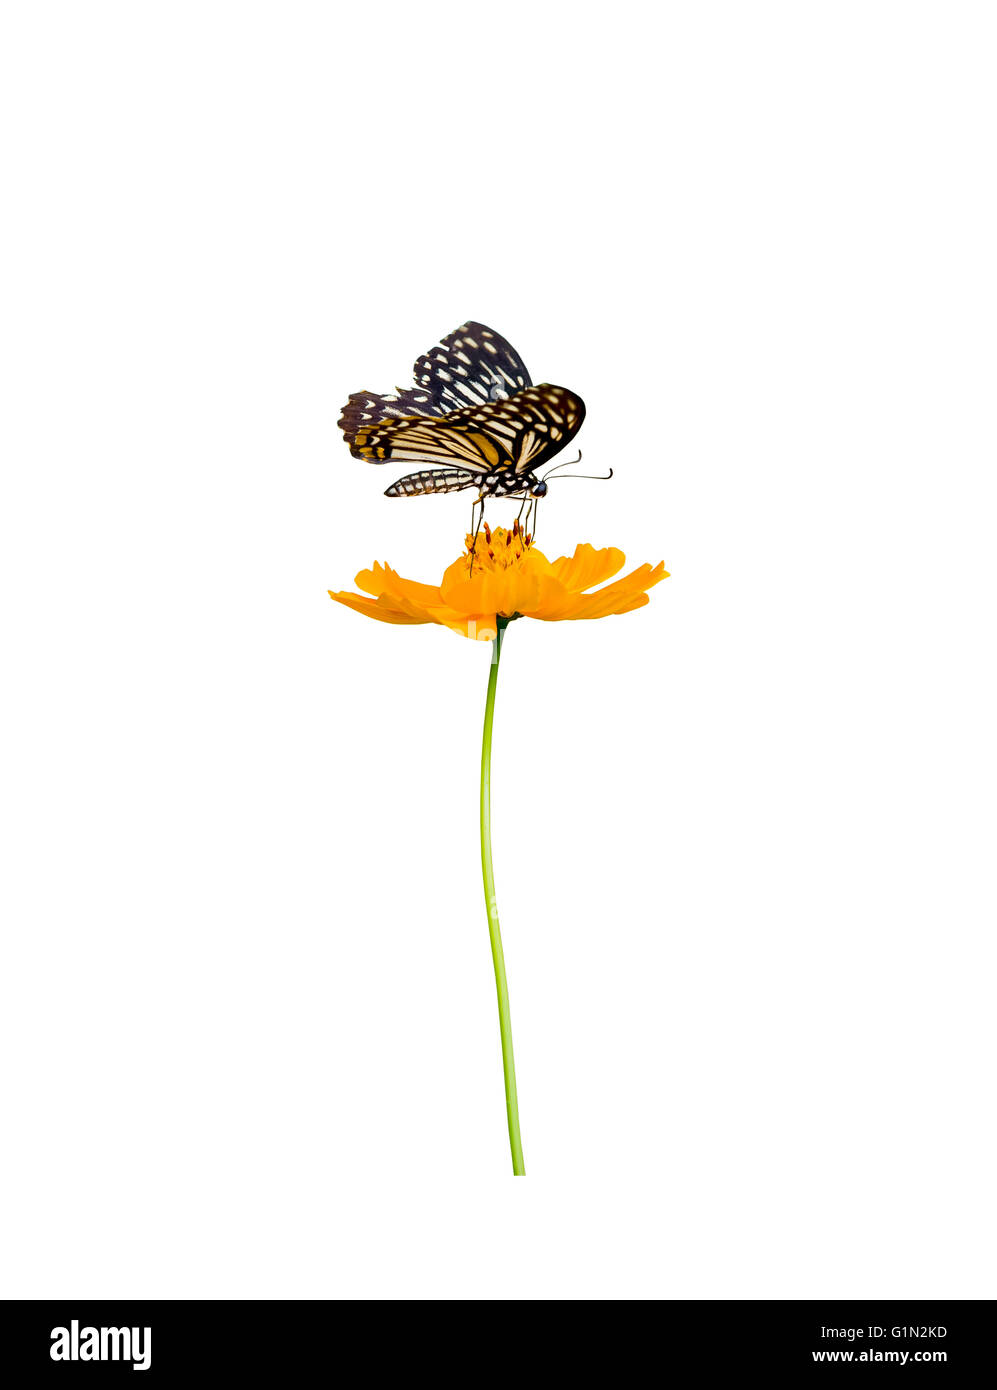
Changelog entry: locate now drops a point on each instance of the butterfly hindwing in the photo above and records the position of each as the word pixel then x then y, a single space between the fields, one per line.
pixel 366 408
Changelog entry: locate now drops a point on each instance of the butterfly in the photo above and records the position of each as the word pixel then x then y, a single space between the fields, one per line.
pixel 472 419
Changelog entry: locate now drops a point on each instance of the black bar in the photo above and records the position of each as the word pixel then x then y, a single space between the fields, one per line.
pixel 249 1339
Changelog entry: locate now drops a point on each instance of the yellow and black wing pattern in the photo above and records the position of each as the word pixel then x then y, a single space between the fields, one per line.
pixel 470 366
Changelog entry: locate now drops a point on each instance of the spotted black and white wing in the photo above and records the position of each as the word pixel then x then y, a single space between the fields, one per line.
pixel 510 437
pixel 473 365
pixel 366 408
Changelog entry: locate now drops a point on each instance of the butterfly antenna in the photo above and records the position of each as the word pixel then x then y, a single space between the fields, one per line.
pixel 595 477
pixel 565 464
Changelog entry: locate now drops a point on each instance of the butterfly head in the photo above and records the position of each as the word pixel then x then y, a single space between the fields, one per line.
pixel 538 488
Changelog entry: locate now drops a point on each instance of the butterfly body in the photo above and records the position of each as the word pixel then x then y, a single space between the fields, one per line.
pixel 473 419
pixel 431 480
pixel 456 480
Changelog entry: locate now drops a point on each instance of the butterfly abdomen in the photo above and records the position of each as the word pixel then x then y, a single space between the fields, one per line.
pixel 431 480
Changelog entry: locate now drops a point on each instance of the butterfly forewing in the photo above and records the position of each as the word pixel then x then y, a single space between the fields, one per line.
pixel 514 435
pixel 471 366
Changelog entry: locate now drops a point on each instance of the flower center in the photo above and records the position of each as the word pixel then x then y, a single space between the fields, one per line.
pixel 497 550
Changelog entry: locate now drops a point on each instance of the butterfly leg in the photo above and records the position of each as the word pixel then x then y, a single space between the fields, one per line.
pixel 474 542
pixel 531 518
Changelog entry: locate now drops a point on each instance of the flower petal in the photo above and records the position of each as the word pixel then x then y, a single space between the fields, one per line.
pixel 490 591
pixel 382 579
pixel 479 627
pixel 376 608
pixel 410 590
pixel 587 566
pixel 621 597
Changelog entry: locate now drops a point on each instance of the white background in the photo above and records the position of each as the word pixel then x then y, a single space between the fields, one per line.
pixel 743 836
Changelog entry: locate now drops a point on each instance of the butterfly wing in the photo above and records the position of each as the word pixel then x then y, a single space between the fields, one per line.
pixel 473 365
pixel 533 425
pixel 366 408
pixel 514 435
pixel 447 440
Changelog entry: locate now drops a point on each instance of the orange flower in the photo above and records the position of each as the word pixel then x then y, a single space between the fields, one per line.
pixel 510 578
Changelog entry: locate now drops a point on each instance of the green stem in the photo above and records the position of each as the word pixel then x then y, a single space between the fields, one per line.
pixel 491 907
